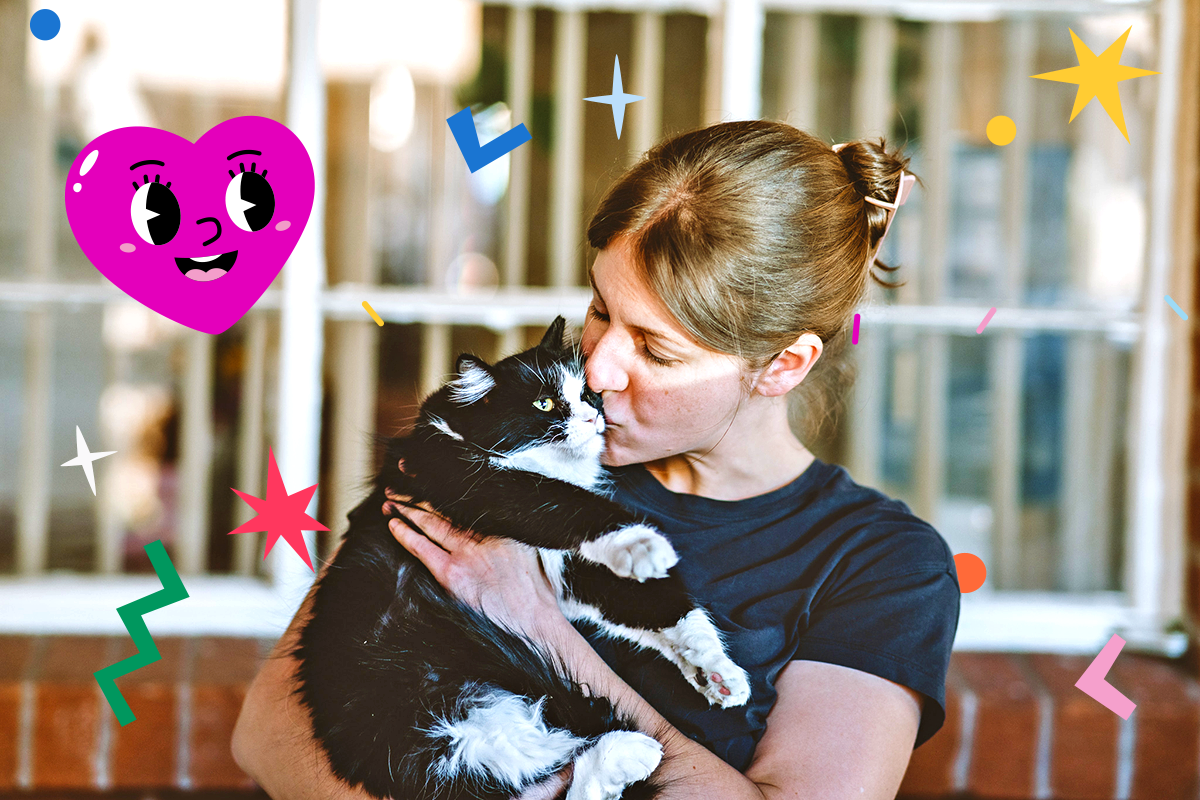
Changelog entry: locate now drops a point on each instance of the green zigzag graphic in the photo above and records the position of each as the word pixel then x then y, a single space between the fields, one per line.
pixel 131 614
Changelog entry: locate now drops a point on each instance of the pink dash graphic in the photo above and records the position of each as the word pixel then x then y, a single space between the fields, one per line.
pixel 1093 683
pixel 854 336
pixel 986 319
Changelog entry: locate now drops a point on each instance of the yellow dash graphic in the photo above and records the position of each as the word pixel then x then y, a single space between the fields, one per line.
pixel 371 311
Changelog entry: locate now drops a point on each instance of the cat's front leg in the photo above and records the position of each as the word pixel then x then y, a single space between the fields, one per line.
pixel 634 551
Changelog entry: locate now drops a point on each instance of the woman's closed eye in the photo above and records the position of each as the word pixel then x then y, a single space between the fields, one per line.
pixel 642 348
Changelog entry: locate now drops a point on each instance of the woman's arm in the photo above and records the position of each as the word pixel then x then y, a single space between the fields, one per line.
pixel 273 741
pixel 831 727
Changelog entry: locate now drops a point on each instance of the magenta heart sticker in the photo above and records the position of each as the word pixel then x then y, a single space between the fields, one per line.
pixel 196 232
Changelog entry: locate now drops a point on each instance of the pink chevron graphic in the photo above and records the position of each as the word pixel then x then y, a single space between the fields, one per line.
pixel 1093 683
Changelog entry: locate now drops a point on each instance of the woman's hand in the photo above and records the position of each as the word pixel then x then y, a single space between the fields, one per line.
pixel 500 577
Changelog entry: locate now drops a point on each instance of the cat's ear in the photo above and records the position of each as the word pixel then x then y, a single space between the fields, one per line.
pixel 472 380
pixel 553 340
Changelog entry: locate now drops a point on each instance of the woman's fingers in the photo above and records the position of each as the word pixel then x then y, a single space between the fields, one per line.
pixel 430 554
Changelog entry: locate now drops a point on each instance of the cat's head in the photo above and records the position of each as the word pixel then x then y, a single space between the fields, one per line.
pixel 538 398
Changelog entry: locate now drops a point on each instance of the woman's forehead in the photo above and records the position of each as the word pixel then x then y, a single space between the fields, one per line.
pixel 615 278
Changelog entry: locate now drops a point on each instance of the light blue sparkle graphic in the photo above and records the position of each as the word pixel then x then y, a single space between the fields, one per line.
pixel 1175 306
pixel 618 99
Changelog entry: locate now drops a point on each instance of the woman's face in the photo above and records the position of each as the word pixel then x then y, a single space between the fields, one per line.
pixel 664 393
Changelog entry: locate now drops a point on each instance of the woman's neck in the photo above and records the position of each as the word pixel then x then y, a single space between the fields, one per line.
pixel 758 454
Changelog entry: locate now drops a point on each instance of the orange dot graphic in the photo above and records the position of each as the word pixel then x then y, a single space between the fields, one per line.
pixel 971 571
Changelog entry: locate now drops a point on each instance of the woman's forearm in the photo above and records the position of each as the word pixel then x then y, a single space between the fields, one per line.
pixel 688 771
pixel 273 740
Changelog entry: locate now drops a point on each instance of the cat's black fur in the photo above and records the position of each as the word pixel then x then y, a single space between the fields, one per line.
pixel 388 653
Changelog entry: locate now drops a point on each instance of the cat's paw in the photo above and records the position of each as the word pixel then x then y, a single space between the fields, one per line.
pixel 722 682
pixel 634 551
pixel 616 760
pixel 697 643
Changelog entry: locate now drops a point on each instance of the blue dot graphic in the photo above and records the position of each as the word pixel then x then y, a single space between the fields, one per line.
pixel 44 24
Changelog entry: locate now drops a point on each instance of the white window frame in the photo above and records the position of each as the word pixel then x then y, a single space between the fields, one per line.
pixel 242 605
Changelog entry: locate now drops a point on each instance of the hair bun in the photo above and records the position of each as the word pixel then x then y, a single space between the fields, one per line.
pixel 874 171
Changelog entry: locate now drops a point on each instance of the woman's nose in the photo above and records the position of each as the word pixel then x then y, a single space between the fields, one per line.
pixel 603 369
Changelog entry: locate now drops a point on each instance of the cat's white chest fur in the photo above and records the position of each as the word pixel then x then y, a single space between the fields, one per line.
pixel 554 461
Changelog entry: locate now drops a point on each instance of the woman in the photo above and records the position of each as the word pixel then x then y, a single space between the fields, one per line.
pixel 730 260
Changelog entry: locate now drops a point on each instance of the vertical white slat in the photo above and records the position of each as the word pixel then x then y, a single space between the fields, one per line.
pixel 195 453
pixel 33 498
pixel 110 529
pixel 714 48
pixel 354 343
pixel 741 59
pixel 943 47
pixel 510 340
pixel 798 87
pixel 873 100
pixel 520 99
pixel 302 328
pixel 1076 535
pixel 356 352
pixel 1156 500
pixel 646 76
pixel 447 174
pixel 435 357
pixel 873 104
pixel 1007 362
pixel 1107 419
pixel 250 463
pixel 566 178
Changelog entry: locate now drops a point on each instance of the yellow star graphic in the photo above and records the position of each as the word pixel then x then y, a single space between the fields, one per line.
pixel 1098 76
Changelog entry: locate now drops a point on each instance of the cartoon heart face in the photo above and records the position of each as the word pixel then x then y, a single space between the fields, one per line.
pixel 196 232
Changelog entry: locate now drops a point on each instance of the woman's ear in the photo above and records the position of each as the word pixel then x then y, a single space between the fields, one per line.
pixel 790 367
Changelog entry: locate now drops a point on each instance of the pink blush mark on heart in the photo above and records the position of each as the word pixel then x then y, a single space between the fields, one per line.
pixel 283 226
pixel 127 248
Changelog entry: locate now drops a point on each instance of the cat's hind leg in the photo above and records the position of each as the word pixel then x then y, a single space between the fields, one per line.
pixel 497 741
pixel 616 760
pixel 660 615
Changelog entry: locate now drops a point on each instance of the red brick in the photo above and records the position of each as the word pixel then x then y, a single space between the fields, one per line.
pixel 1006 726
pixel 931 769
pixel 222 672
pixel 67 712
pixel 1083 757
pixel 14 658
pixel 1167 751
pixel 144 751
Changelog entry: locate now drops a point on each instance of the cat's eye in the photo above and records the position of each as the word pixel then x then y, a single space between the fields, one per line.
pixel 543 404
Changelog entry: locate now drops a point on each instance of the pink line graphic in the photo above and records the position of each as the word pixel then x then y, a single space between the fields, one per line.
pixel 1093 683
pixel 854 338
pixel 986 319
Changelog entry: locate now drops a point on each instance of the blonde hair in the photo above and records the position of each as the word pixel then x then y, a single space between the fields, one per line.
pixel 754 232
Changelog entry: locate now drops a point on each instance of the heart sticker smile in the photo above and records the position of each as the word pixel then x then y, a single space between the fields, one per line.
pixel 166 220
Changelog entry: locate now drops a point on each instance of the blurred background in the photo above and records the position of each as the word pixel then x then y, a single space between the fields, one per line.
pixel 1052 446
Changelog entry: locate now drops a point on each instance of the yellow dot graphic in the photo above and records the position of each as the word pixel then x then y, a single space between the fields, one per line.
pixel 1001 130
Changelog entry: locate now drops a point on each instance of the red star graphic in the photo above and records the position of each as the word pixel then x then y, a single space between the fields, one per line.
pixel 281 514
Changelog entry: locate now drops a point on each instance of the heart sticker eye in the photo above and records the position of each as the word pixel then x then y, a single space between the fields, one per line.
pixel 543 404
pixel 250 200
pixel 155 213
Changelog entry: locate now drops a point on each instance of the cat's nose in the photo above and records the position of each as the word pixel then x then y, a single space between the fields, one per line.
pixel 593 399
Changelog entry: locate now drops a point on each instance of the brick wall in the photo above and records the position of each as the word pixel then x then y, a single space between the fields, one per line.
pixel 1017 727
pixel 58 732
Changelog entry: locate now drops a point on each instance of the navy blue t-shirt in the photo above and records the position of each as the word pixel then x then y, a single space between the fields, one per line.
pixel 821 569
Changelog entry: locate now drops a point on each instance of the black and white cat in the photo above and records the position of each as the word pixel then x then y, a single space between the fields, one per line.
pixel 415 696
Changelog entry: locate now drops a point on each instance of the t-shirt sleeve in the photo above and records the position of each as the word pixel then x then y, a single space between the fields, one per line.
pixel 893 618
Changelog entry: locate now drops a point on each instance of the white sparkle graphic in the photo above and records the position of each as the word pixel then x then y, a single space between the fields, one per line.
pixel 85 458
